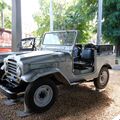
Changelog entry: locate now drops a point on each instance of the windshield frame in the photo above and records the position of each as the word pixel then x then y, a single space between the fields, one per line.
pixel 63 31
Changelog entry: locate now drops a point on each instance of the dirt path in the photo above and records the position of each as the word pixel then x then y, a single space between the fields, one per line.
pixel 1 117
pixel 77 103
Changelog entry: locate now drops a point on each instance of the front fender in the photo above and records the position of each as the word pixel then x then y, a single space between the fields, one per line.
pixel 36 74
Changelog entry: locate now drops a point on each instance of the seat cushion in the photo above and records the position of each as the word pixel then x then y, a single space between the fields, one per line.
pixel 87 54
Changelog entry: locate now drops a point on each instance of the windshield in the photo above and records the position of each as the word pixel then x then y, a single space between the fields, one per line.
pixel 60 38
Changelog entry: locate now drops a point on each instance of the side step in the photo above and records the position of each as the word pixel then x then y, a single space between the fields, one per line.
pixel 78 82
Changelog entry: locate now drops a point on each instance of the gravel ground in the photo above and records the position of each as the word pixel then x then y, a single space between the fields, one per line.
pixel 76 103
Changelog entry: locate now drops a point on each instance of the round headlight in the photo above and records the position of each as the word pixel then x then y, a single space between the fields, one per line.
pixel 19 72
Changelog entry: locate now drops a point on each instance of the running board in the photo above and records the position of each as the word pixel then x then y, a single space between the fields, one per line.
pixel 78 82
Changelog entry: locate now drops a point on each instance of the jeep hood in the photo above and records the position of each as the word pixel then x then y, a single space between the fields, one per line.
pixel 3 55
pixel 41 57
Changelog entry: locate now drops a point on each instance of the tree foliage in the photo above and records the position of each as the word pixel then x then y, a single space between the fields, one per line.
pixel 42 18
pixel 79 17
pixel 3 5
pixel 6 9
pixel 111 25
pixel 75 14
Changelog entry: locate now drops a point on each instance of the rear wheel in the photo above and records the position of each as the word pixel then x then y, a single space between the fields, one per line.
pixel 40 95
pixel 103 78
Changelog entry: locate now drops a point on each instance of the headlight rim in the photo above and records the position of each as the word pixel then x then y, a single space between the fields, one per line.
pixel 5 66
pixel 19 71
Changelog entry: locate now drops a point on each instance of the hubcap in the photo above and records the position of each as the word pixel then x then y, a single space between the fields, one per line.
pixel 43 95
pixel 103 78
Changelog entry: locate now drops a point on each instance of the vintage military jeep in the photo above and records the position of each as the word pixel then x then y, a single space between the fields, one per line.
pixel 61 60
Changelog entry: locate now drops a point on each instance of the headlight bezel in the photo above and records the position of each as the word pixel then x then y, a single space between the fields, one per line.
pixel 19 71
pixel 4 67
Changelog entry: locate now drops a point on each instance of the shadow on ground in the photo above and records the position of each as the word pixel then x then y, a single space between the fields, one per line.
pixel 77 100
pixel 72 101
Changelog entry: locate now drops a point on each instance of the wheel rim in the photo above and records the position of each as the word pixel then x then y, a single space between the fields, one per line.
pixel 43 95
pixel 103 78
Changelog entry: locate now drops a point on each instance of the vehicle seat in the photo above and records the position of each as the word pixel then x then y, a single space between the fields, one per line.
pixel 76 53
pixel 86 59
pixel 87 55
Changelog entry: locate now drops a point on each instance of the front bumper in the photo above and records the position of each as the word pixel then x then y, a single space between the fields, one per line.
pixel 5 91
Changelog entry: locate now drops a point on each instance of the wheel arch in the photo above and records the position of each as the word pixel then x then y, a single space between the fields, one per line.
pixel 55 76
pixel 107 66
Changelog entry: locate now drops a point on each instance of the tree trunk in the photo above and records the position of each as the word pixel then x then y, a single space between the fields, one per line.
pixel 117 50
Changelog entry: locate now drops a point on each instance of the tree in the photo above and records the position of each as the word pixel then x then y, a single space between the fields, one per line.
pixel 5 11
pixel 80 17
pixel 111 24
pixel 75 14
pixel 41 18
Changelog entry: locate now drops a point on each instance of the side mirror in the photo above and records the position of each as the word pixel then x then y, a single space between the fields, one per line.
pixel 28 44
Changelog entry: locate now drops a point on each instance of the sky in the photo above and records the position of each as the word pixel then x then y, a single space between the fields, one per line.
pixel 28 8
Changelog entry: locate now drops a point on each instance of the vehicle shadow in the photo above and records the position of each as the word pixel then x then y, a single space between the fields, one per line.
pixel 77 101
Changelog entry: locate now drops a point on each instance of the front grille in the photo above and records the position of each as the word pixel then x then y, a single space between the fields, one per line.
pixel 11 72
pixel 12 67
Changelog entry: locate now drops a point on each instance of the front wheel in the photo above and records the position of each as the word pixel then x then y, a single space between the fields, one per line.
pixel 40 95
pixel 103 78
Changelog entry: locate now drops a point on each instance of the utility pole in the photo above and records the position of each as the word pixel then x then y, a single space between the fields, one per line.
pixel 16 25
pixel 51 16
pixel 99 30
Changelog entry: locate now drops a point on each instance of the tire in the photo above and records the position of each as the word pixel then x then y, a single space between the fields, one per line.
pixel 103 78
pixel 40 95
